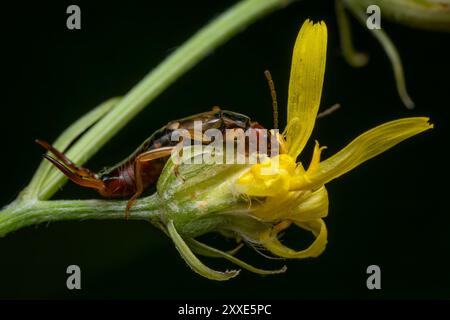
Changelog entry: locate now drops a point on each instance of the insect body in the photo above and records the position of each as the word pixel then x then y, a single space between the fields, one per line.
pixel 132 176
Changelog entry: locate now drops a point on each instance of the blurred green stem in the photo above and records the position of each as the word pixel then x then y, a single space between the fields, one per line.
pixel 355 6
pixel 354 58
pixel 423 14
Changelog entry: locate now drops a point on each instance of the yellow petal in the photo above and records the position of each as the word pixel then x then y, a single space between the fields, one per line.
pixel 270 241
pixel 305 86
pixel 312 206
pixel 363 148
pixel 297 206
pixel 315 161
pixel 270 178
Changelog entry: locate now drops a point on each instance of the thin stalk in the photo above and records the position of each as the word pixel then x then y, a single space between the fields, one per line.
pixel 422 14
pixel 24 213
pixel 391 51
pixel 353 57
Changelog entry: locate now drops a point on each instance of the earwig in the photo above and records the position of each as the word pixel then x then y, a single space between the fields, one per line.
pixel 130 177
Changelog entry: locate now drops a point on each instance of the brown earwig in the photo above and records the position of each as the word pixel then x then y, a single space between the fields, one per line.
pixel 130 177
pixel 133 175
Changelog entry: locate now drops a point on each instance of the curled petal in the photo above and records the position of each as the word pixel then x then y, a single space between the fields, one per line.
pixel 305 85
pixel 315 161
pixel 270 241
pixel 193 262
pixel 313 205
pixel 363 148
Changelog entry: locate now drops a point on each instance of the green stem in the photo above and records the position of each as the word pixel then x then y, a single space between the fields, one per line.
pixel 185 57
pixel 20 214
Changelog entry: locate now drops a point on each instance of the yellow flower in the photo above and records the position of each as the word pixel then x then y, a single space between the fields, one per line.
pixel 254 203
pixel 291 194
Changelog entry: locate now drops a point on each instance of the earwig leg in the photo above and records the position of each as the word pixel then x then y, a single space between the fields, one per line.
pixel 142 158
pixel 62 157
pixel 88 182
pixel 177 173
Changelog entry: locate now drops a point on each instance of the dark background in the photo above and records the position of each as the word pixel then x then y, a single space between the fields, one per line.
pixel 392 211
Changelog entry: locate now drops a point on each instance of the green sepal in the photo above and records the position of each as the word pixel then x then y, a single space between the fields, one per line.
pixel 194 263
pixel 207 251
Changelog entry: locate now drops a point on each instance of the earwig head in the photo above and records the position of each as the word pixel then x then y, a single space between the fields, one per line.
pixel 79 175
pixel 255 125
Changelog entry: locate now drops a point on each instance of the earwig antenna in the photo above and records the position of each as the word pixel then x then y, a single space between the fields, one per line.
pixel 273 94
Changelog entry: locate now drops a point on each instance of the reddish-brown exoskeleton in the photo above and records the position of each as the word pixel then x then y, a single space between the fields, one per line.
pixel 132 176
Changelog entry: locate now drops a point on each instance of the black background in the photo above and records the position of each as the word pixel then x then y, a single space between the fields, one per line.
pixel 391 211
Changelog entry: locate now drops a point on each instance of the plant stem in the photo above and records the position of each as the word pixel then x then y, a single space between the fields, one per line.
pixel 185 57
pixel 354 58
pixel 24 213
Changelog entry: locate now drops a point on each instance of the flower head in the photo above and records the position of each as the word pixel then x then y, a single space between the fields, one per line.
pixel 256 202
pixel 293 194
